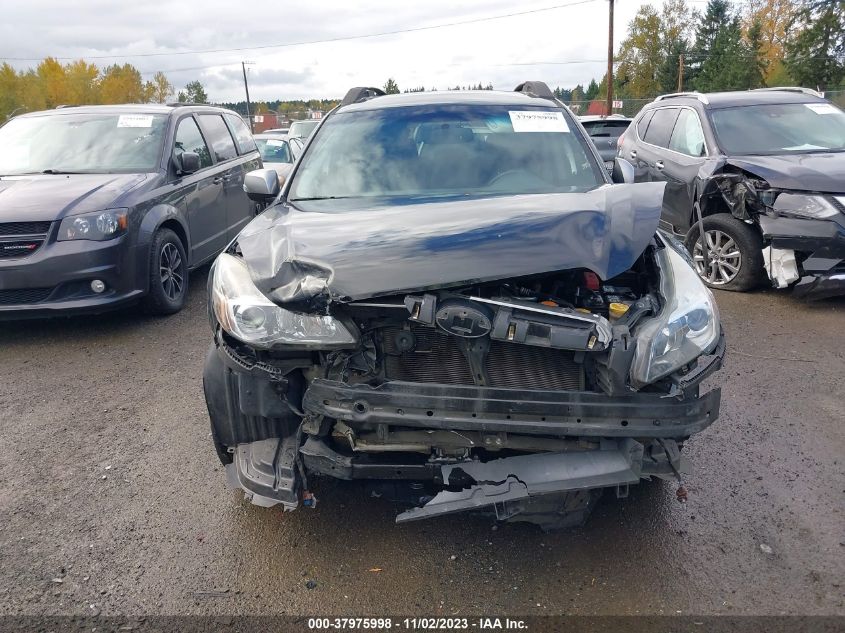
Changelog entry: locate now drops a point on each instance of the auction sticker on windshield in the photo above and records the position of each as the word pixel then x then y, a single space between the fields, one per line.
pixel 822 108
pixel 135 120
pixel 537 121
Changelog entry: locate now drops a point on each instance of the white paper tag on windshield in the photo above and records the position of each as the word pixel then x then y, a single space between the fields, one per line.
pixel 822 108
pixel 274 143
pixel 135 120
pixel 537 121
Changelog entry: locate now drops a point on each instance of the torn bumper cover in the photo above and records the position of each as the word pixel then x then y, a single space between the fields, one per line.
pixel 823 244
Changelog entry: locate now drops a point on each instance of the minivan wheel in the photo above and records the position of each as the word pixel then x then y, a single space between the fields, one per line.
pixel 735 253
pixel 168 274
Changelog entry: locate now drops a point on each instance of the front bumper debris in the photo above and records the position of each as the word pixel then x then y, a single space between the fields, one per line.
pixel 507 484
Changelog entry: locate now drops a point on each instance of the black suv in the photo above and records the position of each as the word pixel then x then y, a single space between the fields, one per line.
pixel 101 206
pixel 453 300
pixel 762 171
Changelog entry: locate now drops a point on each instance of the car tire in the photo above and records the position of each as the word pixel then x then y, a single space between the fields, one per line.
pixel 736 249
pixel 168 275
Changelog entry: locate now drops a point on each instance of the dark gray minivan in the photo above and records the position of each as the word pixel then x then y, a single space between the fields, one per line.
pixel 102 206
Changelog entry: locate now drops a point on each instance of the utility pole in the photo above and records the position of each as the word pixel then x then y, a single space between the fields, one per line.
pixel 248 106
pixel 610 61
pixel 681 72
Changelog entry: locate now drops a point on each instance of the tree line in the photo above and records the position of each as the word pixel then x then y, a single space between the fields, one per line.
pixel 52 84
pixel 759 43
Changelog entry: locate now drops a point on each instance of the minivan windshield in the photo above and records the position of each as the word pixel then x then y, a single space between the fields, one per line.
pixel 445 150
pixel 82 143
pixel 780 128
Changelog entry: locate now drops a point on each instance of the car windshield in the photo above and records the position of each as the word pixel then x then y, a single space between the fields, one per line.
pixel 82 143
pixel 302 128
pixel 436 151
pixel 274 150
pixel 780 128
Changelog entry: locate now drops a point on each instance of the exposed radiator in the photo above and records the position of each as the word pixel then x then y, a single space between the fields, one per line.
pixel 437 358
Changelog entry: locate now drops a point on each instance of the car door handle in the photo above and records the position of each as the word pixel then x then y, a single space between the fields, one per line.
pixel 633 153
pixel 218 179
pixel 659 164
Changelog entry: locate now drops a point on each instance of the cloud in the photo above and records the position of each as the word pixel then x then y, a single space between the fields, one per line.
pixel 458 55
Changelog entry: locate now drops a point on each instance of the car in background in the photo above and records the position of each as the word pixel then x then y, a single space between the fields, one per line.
pixel 452 300
pixel 102 206
pixel 277 130
pixel 278 151
pixel 760 174
pixel 303 129
pixel 605 131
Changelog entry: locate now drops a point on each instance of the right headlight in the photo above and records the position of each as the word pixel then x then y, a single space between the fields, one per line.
pixel 801 205
pixel 248 315
pixel 686 327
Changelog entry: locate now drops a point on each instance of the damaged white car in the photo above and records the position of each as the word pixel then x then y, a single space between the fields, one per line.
pixel 452 299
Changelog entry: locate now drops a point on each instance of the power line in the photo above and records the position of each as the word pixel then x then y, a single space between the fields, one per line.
pixel 322 41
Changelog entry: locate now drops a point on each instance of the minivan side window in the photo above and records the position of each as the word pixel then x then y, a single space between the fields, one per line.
pixel 189 139
pixel 660 128
pixel 243 137
pixel 219 137
pixel 687 137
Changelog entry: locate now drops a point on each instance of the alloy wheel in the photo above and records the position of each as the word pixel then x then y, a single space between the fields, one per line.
pixel 172 271
pixel 725 258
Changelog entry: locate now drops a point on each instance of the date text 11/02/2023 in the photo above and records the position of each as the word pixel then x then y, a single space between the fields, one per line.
pixel 417 624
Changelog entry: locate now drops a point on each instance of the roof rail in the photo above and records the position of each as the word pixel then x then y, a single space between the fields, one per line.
pixel 178 104
pixel 806 91
pixel 64 105
pixel 361 93
pixel 535 89
pixel 694 95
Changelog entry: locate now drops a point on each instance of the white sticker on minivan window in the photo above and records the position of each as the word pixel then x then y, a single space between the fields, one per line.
pixel 822 108
pixel 135 120
pixel 274 143
pixel 537 121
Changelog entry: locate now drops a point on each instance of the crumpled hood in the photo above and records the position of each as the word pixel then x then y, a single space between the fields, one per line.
pixel 823 172
pixel 315 256
pixel 50 197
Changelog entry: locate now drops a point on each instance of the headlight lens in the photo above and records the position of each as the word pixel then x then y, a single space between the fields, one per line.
pixel 245 313
pixel 687 326
pixel 98 226
pixel 805 206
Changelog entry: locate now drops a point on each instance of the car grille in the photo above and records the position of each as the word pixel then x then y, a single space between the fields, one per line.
pixel 438 359
pixel 25 295
pixel 12 242
pixel 24 228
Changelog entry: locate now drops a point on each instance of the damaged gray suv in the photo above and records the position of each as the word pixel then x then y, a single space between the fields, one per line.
pixel 452 299
pixel 761 174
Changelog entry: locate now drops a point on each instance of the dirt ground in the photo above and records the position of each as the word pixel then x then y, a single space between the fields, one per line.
pixel 112 499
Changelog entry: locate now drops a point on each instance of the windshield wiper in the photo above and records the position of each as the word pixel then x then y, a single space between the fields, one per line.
pixel 59 172
pixel 322 198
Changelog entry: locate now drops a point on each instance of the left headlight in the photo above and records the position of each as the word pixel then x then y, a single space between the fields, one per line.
pixel 98 226
pixel 686 327
pixel 805 206
pixel 249 316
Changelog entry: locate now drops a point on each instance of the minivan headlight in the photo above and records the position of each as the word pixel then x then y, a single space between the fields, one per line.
pixel 97 226
pixel 686 327
pixel 249 316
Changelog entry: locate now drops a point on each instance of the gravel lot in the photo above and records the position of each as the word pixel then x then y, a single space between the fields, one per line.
pixel 112 499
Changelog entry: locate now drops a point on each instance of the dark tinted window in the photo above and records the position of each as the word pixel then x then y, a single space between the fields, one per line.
pixel 642 126
pixel 218 135
pixel 687 137
pixel 660 128
pixel 189 139
pixel 606 128
pixel 243 136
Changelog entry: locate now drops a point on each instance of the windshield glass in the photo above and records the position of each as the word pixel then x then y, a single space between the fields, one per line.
pixel 82 143
pixel 780 128
pixel 302 128
pixel 436 151
pixel 274 150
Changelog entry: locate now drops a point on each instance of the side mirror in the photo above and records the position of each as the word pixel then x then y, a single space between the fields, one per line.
pixel 189 162
pixel 262 185
pixel 623 171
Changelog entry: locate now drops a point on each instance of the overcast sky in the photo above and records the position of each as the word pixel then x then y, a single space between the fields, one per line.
pixel 470 53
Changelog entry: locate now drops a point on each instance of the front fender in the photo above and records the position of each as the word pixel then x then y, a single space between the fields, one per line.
pixel 154 218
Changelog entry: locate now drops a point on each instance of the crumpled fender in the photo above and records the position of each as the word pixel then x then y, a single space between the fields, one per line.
pixel 326 252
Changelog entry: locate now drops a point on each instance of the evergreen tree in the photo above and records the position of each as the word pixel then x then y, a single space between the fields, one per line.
pixel 815 56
